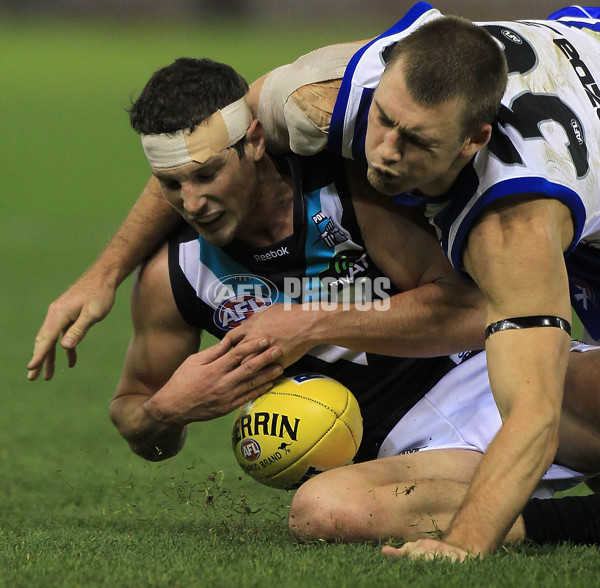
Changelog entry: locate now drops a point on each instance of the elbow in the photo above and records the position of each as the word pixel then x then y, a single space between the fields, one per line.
pixel 156 446
pixel 151 441
pixel 154 450
pixel 121 417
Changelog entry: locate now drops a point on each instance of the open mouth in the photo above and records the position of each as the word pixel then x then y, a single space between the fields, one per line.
pixel 208 220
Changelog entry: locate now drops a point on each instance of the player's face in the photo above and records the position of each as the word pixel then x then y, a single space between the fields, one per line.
pixel 411 146
pixel 215 197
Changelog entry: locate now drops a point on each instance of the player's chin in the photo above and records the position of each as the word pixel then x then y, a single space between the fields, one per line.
pixel 220 237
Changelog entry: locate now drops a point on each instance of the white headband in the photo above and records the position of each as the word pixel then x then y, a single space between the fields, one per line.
pixel 222 129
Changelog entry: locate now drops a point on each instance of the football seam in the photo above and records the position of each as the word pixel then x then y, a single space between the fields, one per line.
pixel 337 418
pixel 351 434
pixel 296 395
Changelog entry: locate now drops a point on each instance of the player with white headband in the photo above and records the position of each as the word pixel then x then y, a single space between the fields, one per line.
pixel 222 129
pixel 487 542
pixel 431 419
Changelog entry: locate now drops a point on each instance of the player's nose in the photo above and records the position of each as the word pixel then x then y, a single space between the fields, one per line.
pixel 390 148
pixel 194 201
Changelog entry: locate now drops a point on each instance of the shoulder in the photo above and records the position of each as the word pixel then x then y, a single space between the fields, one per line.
pixel 294 102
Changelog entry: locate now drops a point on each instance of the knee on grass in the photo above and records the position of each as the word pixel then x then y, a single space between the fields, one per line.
pixel 319 511
pixel 335 508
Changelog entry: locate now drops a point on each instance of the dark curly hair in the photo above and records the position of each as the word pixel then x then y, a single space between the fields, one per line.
pixel 182 95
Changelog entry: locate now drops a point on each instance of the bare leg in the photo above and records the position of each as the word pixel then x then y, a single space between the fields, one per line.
pixel 405 497
pixel 414 496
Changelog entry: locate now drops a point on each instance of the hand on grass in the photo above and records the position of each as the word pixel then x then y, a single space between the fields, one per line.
pixel 429 549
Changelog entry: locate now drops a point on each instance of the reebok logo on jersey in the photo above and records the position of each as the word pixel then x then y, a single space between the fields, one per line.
pixel 273 254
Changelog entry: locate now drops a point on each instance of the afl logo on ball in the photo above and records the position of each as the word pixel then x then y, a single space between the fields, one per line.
pixel 250 449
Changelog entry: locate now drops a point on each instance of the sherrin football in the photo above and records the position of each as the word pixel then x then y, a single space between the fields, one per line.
pixel 305 424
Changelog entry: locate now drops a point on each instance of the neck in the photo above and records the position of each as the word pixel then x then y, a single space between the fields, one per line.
pixel 444 182
pixel 273 218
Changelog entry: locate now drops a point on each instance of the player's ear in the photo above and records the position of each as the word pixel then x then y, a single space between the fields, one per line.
pixel 256 136
pixel 477 140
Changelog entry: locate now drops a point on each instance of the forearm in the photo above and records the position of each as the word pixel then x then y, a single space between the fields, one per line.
pixel 507 476
pixel 425 322
pixel 296 100
pixel 144 228
pixel 147 437
pixel 528 388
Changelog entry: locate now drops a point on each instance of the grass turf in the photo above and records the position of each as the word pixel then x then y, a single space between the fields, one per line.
pixel 77 508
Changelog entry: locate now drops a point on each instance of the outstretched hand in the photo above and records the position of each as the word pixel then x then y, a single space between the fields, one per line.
pixel 84 304
pixel 215 381
pixel 428 549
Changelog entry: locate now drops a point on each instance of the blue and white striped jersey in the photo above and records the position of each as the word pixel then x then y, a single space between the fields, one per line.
pixel 545 140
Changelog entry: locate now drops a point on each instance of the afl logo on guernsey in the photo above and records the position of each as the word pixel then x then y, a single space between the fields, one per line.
pixel 237 297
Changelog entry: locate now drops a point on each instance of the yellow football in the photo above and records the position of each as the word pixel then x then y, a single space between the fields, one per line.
pixel 304 425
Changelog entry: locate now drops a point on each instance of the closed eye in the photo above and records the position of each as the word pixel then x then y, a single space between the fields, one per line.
pixel 416 142
pixel 204 177
pixel 170 184
pixel 384 120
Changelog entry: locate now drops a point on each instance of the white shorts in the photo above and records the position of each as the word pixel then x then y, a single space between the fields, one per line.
pixel 460 413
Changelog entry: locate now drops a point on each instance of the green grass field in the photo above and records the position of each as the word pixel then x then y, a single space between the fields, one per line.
pixel 77 508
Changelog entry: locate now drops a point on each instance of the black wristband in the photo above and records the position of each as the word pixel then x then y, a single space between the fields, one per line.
pixel 528 322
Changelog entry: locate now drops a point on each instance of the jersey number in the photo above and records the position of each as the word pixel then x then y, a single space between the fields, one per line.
pixel 528 110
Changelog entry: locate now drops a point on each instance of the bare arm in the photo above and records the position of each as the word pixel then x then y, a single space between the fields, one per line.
pixel 437 312
pixel 295 104
pixel 166 384
pixel 91 297
pixel 515 255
